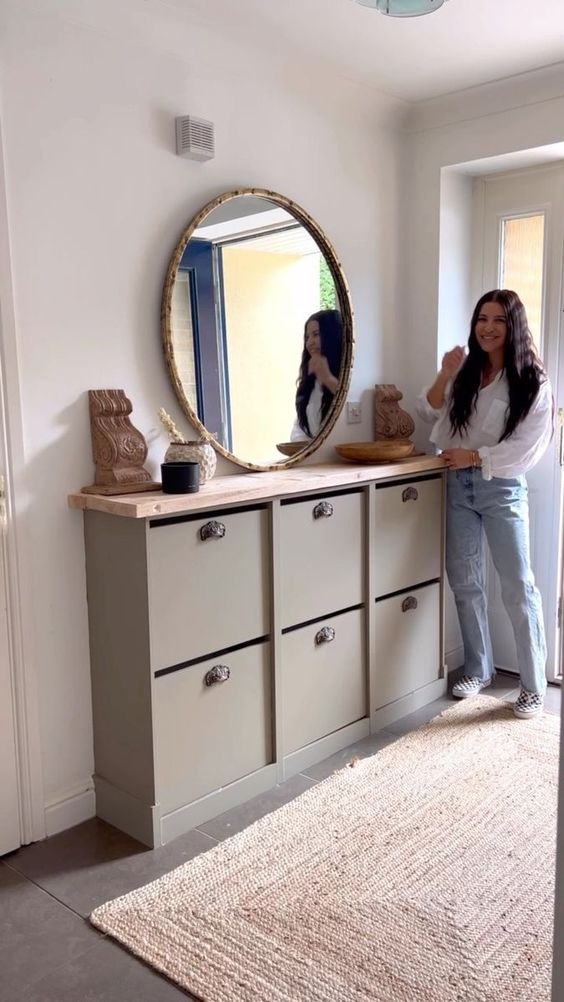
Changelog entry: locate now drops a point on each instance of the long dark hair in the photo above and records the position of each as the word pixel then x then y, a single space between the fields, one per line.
pixel 331 339
pixel 523 368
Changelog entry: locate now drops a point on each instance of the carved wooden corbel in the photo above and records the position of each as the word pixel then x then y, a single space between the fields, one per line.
pixel 119 449
pixel 390 421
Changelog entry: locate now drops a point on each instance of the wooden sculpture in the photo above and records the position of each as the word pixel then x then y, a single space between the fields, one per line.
pixel 119 449
pixel 390 421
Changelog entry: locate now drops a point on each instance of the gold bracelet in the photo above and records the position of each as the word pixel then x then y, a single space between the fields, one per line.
pixel 475 458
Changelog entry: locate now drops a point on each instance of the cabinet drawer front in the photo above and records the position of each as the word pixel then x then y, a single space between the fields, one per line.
pixel 207 736
pixel 207 594
pixel 321 557
pixel 408 522
pixel 323 680
pixel 406 637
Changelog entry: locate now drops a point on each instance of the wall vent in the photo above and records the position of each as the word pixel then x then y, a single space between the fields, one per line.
pixel 195 138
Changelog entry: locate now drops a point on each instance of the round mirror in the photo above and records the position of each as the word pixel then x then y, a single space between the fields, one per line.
pixel 257 329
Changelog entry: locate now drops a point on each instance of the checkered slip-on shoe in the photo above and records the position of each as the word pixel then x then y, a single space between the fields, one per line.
pixel 469 685
pixel 529 704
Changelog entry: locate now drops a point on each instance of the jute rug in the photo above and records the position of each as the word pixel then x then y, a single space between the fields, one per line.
pixel 423 874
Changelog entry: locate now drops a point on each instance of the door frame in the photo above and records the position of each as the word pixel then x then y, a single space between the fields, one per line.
pixel 24 682
pixel 553 287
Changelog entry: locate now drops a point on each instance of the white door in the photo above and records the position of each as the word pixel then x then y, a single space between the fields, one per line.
pixel 9 800
pixel 522 249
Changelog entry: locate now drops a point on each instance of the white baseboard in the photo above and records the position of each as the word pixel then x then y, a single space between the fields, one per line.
pixel 455 658
pixel 70 809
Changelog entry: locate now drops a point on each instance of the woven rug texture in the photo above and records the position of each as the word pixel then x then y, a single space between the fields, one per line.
pixel 422 874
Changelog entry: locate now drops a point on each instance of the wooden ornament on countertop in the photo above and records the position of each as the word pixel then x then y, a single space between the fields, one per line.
pixel 385 451
pixel 291 448
pixel 392 428
pixel 390 421
pixel 119 450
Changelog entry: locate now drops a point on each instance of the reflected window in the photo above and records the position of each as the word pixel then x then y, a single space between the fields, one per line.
pixel 522 265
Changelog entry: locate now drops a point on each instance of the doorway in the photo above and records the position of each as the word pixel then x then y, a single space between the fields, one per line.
pixel 519 244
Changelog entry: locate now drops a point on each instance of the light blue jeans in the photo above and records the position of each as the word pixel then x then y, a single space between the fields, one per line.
pixel 499 510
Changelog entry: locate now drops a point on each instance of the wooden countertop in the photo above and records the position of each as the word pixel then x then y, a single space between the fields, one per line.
pixel 222 491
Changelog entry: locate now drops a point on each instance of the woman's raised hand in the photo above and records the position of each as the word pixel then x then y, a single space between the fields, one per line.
pixel 452 361
pixel 318 366
pixel 450 365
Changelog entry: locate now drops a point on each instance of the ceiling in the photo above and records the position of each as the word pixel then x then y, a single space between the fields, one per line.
pixel 465 43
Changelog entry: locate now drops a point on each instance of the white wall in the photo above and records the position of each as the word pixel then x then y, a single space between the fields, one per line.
pixel 458 130
pixel 520 114
pixel 455 259
pixel 447 138
pixel 96 201
pixel 454 279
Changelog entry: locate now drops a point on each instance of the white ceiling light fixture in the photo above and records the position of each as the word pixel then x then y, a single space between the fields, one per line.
pixel 403 8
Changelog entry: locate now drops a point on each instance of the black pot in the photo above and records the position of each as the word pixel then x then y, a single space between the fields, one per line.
pixel 180 477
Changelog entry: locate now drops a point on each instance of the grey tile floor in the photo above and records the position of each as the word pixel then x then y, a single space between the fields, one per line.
pixel 48 950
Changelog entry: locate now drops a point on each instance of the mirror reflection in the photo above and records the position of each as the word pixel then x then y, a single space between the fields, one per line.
pixel 320 367
pixel 256 332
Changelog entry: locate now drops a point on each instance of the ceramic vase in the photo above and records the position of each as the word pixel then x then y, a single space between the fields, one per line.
pixel 200 452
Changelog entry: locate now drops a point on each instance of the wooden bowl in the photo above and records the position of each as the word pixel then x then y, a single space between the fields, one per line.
pixel 290 448
pixel 383 451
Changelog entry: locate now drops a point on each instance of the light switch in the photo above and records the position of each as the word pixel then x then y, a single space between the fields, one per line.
pixel 354 412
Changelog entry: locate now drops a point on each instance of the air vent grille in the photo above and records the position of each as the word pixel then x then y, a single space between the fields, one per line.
pixel 195 138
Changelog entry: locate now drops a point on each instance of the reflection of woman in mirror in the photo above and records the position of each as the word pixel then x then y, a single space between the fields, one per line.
pixel 319 372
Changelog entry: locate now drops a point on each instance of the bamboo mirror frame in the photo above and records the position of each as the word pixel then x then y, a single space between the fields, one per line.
pixel 342 298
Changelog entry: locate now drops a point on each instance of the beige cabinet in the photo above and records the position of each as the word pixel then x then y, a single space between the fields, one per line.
pixel 233 643
pixel 407 559
pixel 321 556
pixel 322 612
pixel 408 531
pixel 324 683
pixel 208 584
pixel 213 724
pixel 406 643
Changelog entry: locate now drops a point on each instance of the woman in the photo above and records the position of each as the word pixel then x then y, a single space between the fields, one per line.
pixel 320 367
pixel 493 419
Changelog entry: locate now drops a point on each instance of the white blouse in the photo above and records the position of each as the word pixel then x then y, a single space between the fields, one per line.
pixel 516 454
pixel 313 412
